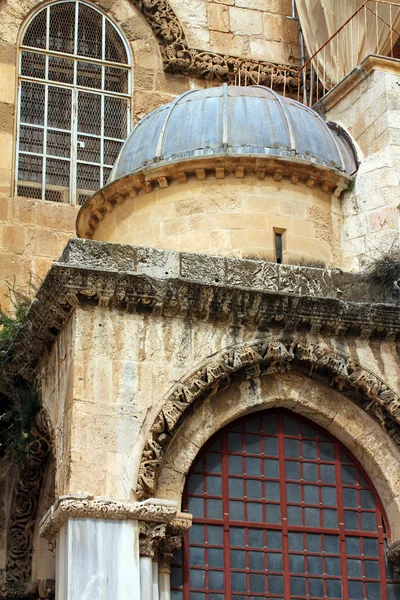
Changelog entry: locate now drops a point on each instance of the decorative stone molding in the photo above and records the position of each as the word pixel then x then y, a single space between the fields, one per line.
pixel 294 170
pixel 393 555
pixel 178 57
pixel 253 293
pixel 85 506
pixel 255 359
pixel 24 508
pixel 151 535
pixel 32 590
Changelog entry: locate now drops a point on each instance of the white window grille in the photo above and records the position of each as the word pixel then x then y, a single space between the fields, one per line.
pixel 74 102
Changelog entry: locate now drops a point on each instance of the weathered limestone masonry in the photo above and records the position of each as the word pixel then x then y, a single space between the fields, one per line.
pixel 366 103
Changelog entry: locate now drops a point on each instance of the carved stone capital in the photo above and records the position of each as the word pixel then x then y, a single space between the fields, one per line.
pixel 19 591
pixel 393 555
pixel 84 506
pixel 150 538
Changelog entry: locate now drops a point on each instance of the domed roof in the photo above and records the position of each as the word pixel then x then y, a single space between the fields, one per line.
pixel 232 121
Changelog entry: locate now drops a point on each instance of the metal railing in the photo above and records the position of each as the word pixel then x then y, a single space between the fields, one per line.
pixel 373 28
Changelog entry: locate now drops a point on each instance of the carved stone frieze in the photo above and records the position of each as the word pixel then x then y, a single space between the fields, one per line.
pixel 259 358
pixel 24 506
pixel 154 510
pixel 178 57
pixel 200 287
pixel 150 537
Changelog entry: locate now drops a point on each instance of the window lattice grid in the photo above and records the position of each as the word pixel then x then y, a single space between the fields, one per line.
pixel 269 496
pixel 86 128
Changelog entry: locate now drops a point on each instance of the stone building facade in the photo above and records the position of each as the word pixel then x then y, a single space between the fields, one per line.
pixel 213 365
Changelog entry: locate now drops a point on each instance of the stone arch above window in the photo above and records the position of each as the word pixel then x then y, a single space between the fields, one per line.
pixel 74 102
pixel 280 507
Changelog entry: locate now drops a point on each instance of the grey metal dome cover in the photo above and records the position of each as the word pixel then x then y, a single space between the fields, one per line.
pixel 232 121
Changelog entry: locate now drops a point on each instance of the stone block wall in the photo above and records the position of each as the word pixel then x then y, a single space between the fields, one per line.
pixel 367 105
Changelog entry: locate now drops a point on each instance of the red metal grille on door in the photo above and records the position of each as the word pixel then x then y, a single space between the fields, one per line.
pixel 281 510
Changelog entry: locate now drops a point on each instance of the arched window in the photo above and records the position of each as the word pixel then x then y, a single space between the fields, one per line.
pixel 74 95
pixel 281 510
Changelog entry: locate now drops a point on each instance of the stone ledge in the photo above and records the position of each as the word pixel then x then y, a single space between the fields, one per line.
pixel 258 294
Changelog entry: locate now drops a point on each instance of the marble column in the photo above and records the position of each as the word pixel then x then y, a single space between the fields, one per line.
pixel 98 559
pixel 151 535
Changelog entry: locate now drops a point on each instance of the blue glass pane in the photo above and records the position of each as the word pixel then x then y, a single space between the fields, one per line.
pixel 309 449
pixel 196 484
pixel 196 506
pixel 292 470
pixel 374 591
pixel 356 590
pixel 293 492
pixel 353 546
pixel 256 562
pixel 256 538
pixel 253 466
pixel 307 430
pixel 313 541
pixel 311 494
pixel 238 559
pixel 254 512
pixel 269 424
pixel 316 587
pixel 292 448
pixel 298 586
pixel 331 544
pixel 393 591
pixel 326 451
pixel 196 534
pixel 253 444
pixel 367 499
pixel 370 547
pixel 329 496
pixel 216 580
pixel 214 486
pixel 216 445
pixel 274 540
pixel 348 475
pixel 236 535
pixel 332 566
pixel 271 468
pixel 271 446
pixel 290 426
pixel 236 488
pixel 328 474
pixel 238 582
pixel 272 491
pixel 311 517
pixel 197 596
pixel 350 520
pixel 175 595
pixel 176 577
pixel 354 568
pixel 296 541
pixel 213 463
pixel 214 509
pixel 236 510
pixel 294 515
pixel 275 562
pixel 235 442
pixel 253 488
pixel 273 514
pixel 334 588
pixel 372 569
pixel 257 583
pixel 215 557
pixel 310 472
pixel 275 584
pixel 235 465
pixel 368 521
pixel 197 557
pixel 197 578
pixel 329 518
pixel 315 566
pixel 350 498
pixel 296 562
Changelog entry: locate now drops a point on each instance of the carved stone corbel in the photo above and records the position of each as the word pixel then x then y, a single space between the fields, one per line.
pixel 393 555
pixel 150 538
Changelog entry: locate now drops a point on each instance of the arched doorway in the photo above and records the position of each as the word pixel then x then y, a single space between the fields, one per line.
pixel 281 510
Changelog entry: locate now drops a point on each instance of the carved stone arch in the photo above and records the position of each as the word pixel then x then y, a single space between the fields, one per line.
pixel 252 360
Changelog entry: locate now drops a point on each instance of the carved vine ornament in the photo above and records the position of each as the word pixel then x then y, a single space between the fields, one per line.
pixel 254 360
pixel 178 57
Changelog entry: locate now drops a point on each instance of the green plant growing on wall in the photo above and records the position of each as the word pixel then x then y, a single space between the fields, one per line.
pixel 384 270
pixel 19 399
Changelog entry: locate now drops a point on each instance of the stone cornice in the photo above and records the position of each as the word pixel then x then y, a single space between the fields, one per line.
pixel 259 294
pixel 152 510
pixel 178 57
